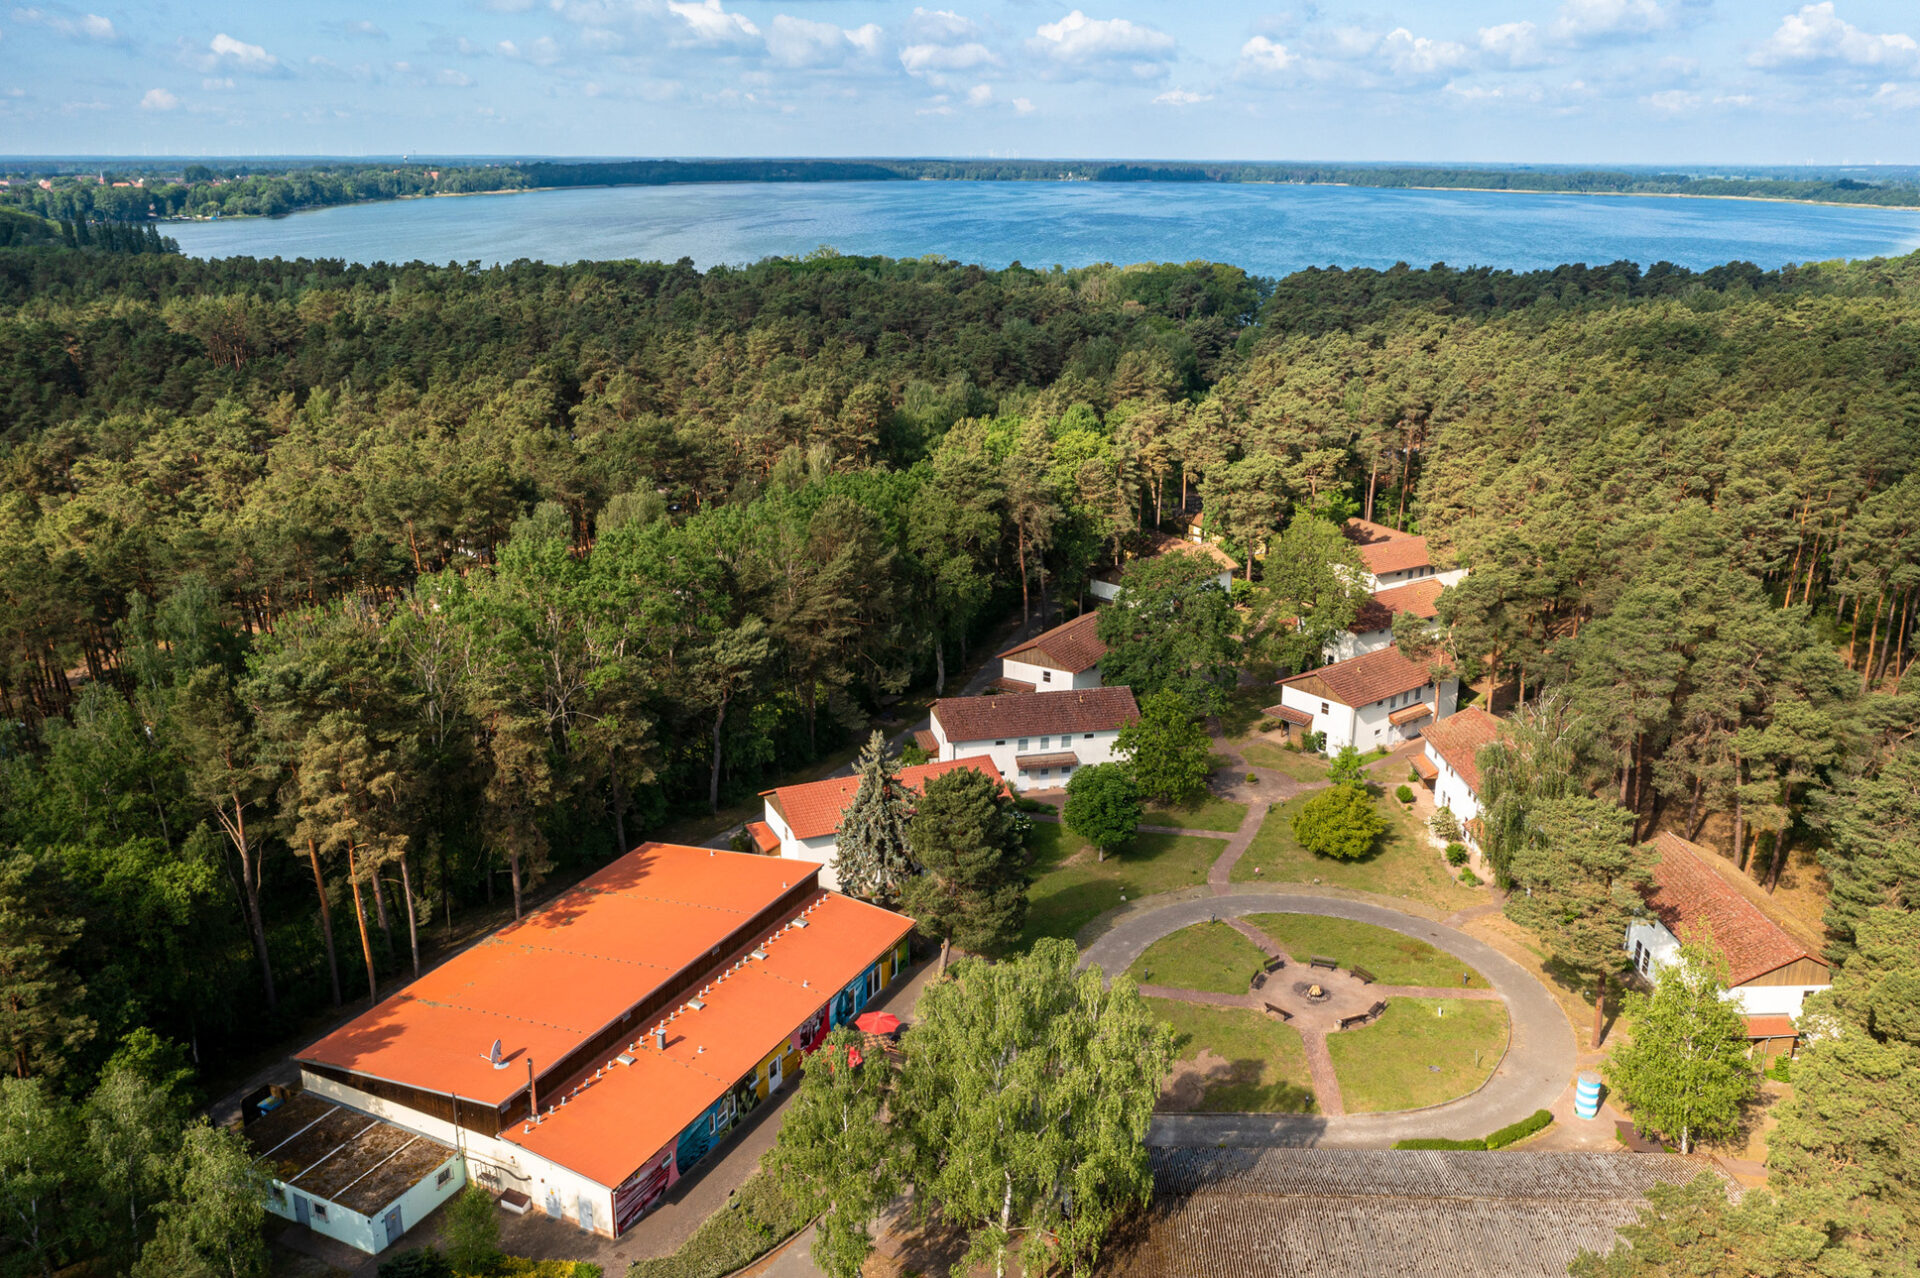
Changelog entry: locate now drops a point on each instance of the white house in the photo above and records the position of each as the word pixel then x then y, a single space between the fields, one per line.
pixel 1372 628
pixel 1037 738
pixel 1450 764
pixel 1698 894
pixel 803 821
pixel 1392 557
pixel 1106 581
pixel 1067 656
pixel 1379 699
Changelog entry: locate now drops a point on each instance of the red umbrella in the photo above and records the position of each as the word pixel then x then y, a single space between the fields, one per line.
pixel 878 1023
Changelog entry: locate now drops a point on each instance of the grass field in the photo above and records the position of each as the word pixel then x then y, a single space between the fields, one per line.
pixel 1401 863
pixel 1393 959
pixel 1294 763
pixel 1266 1067
pixel 1207 956
pixel 1208 814
pixel 1411 1057
pixel 1070 886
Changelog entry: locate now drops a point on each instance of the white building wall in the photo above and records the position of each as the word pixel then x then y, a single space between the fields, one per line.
pixel 1660 948
pixel 519 1168
pixel 1450 791
pixel 1348 645
pixel 336 1223
pixel 1103 589
pixel 818 850
pixel 1090 747
pixel 1376 582
pixel 1049 678
pixel 1368 726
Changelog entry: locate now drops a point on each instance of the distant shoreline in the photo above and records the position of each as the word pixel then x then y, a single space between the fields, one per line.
pixel 1357 186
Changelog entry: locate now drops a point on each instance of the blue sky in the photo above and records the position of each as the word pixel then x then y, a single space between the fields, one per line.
pixel 1619 81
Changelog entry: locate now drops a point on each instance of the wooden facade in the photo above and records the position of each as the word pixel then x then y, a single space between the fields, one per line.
pixel 1803 971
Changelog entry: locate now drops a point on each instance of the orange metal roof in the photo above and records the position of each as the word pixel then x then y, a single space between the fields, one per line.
pixel 1771 1027
pixel 610 1126
pixel 814 809
pixel 547 984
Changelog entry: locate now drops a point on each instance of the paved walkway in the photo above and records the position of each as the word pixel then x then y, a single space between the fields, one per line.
pixel 1220 877
pixel 1538 1066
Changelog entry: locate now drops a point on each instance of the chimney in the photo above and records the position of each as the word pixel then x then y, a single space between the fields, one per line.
pixel 660 1037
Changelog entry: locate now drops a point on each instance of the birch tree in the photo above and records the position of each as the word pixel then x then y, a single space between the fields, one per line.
pixel 1685 1072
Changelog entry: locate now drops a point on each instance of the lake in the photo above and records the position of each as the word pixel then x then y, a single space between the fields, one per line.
pixel 1269 230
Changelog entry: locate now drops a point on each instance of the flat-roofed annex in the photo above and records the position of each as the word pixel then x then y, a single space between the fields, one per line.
pixel 548 984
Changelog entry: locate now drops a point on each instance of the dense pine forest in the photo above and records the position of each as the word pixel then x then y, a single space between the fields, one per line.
pixel 332 593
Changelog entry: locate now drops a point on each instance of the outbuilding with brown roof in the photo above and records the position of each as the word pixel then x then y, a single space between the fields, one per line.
pixel 1071 729
pixel 1067 656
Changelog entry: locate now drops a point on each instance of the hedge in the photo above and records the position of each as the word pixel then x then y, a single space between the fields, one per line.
pixel 735 1235
pixel 1536 1121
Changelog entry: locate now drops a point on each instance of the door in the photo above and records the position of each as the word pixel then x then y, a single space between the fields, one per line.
pixel 553 1203
pixel 394 1227
pixel 586 1212
pixel 301 1212
pixel 774 1078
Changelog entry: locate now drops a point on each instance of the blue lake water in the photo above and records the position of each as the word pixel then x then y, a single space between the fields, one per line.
pixel 1269 230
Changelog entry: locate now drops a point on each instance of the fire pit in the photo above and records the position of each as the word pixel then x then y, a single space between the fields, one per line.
pixel 1310 991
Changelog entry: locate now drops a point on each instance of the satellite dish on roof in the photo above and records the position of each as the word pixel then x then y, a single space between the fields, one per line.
pixel 496 1056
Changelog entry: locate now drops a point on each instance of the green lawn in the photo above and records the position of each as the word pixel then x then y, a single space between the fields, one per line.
pixel 1297 764
pixel 1390 1064
pixel 1208 814
pixel 1070 887
pixel 1401 864
pixel 1393 959
pixel 1266 1067
pixel 1210 957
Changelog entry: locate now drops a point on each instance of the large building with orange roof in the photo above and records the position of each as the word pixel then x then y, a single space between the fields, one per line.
pixel 802 822
pixel 590 1054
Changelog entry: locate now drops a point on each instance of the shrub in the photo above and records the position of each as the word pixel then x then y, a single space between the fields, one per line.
pixel 1469 878
pixel 1444 825
pixel 1252 779
pixel 1781 1071
pixel 1413 777
pixel 1340 821
pixel 761 1215
pixel 426 1262
pixel 1437 1142
pixel 1103 805
pixel 1539 1120
pixel 1269 724
pixel 1456 854
pixel 1404 794
pixel 912 755
pixel 1345 768
pixel 1025 804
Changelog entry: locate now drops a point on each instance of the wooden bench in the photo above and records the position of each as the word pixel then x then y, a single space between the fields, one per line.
pixel 1321 960
pixel 1274 965
pixel 1362 1018
pixel 1280 1012
pixel 1363 975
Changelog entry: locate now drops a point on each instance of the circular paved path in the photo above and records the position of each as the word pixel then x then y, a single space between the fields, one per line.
pixel 1538 1066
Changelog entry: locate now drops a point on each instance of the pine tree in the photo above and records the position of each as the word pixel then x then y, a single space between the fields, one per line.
pixel 874 857
pixel 971 842
pixel 40 999
pixel 1685 1073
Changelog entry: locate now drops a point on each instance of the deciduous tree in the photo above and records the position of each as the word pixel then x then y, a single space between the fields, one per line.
pixel 1103 805
pixel 1685 1072
pixel 837 1154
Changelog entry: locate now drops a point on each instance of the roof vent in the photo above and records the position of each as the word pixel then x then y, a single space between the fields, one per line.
pixel 761 955
pixel 696 1004
pixel 799 922
pixel 624 1059
pixel 660 1038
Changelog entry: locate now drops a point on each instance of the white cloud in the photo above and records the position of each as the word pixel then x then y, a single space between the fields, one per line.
pixel 940 26
pixel 158 100
pixel 1262 54
pixel 1082 43
pixel 214 84
pixel 542 52
pixel 980 95
pixel 1817 36
pixel 1897 97
pixel 1517 44
pixel 1181 98
pixel 710 24
pixel 802 42
pixel 931 59
pixel 84 26
pixel 1582 20
pixel 453 79
pixel 225 51
pixel 1023 106
pixel 1416 56
pixel 1673 101
pixel 362 30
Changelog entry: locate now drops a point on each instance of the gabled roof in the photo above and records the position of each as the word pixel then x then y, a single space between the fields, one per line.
pixel 1692 896
pixel 1035 714
pixel 1163 544
pixel 1458 739
pixel 814 809
pixel 1417 597
pixel 1385 549
pixel 1364 679
pixel 1073 647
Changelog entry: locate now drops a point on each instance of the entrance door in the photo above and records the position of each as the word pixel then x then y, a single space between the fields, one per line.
pixel 553 1203
pixel 586 1212
pixel 302 1212
pixel 773 1075
pixel 394 1227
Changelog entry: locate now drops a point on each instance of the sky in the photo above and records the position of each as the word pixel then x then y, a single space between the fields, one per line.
pixel 1572 81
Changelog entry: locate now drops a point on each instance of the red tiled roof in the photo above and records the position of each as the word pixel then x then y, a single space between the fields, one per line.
pixel 1385 549
pixel 1073 646
pixel 1004 684
pixel 1300 717
pixel 1034 714
pixel 1424 766
pixel 1458 739
pixel 1410 714
pixel 925 739
pixel 1364 679
pixel 1691 897
pixel 1163 544
pixel 1417 597
pixel 545 985
pixel 609 1127
pixel 1771 1027
pixel 814 808
pixel 763 837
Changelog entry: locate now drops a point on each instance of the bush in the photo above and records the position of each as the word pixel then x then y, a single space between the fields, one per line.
pixel 761 1215
pixel 1469 878
pixel 1024 804
pixel 1781 1071
pixel 1444 825
pixel 1252 779
pixel 1103 805
pixel 1404 794
pixel 1346 767
pixel 1539 1120
pixel 426 1262
pixel 1269 724
pixel 1340 821
pixel 1456 854
pixel 1413 776
pixel 912 755
pixel 471 1232
pixel 1436 1142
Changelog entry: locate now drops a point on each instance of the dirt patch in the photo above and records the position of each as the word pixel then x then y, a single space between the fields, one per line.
pixel 1518 944
pixel 1187 1086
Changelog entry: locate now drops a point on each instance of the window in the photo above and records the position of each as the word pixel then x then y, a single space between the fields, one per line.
pixel 1046 772
pixel 1001 741
pixel 446 1174
pixel 1045 742
pixel 319 1209
pixel 1088 737
pixel 1023 743
pixel 723 1116
pixel 1046 676
pixel 1064 771
pixel 1323 707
